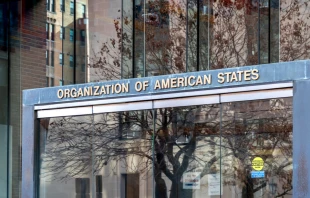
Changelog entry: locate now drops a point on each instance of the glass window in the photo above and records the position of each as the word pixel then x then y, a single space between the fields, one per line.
pixel 3 34
pixel 60 82
pixel 71 7
pixel 256 148
pixel 237 149
pixel 294 29
pixel 83 61
pixel 82 36
pixel 47 5
pixel 52 5
pixel 52 82
pixel 62 33
pixel 52 32
pixel 83 67
pixel 161 37
pixel 165 20
pixel 62 5
pixel 187 150
pixel 47 28
pixel 71 61
pixel 52 58
pixel 5 146
pixel 84 11
pixel 71 34
pixel 47 57
pixel 61 59
pixel 108 167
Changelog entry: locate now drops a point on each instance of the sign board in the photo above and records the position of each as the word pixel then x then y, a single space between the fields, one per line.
pixel 214 185
pixel 167 84
pixel 191 180
pixel 257 163
pixel 257 174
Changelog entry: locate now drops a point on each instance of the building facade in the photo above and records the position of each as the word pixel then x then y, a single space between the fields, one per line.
pixel 191 149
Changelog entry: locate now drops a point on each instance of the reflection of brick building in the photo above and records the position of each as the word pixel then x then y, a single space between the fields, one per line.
pixel 66 50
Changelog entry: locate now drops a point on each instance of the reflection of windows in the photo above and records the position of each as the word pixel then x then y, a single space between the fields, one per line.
pixel 84 11
pixel 52 82
pixel 48 5
pixel 83 67
pixel 52 5
pixel 184 119
pixel 273 188
pixel 130 185
pixel 260 141
pixel 47 57
pixel 98 186
pixel 83 64
pixel 129 125
pixel 71 7
pixel 71 34
pixel 52 58
pixel 82 187
pixel 82 36
pixel 62 5
pixel 62 33
pixel 52 32
pixel 2 25
pixel 206 10
pixel 47 28
pixel 61 61
pixel 71 61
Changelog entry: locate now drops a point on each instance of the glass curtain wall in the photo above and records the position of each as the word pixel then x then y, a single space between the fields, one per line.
pixel 233 150
pixel 4 89
pixel 9 99
pixel 66 42
pixel 147 38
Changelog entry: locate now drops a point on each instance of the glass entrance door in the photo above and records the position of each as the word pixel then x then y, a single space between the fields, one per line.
pixel 231 150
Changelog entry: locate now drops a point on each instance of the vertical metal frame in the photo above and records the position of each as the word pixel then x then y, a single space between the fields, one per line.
pixel 28 152
pixel 301 138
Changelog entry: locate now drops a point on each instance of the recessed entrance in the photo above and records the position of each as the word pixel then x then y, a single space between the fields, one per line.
pixel 200 146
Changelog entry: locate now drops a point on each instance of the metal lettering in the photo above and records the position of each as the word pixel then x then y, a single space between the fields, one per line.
pixel 138 86
pixel 96 90
pixel 60 93
pixel 190 83
pixel 207 79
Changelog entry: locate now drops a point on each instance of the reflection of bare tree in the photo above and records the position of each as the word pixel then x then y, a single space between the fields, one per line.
pixel 266 133
pixel 295 24
pixel 185 140
pixel 223 33
pixel 188 139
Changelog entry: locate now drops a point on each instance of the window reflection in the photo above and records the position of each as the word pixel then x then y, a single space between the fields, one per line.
pixel 187 151
pixel 65 43
pixel 148 38
pixel 66 156
pixel 257 129
pixel 294 25
pixel 165 40
pixel 194 151
pixel 105 155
